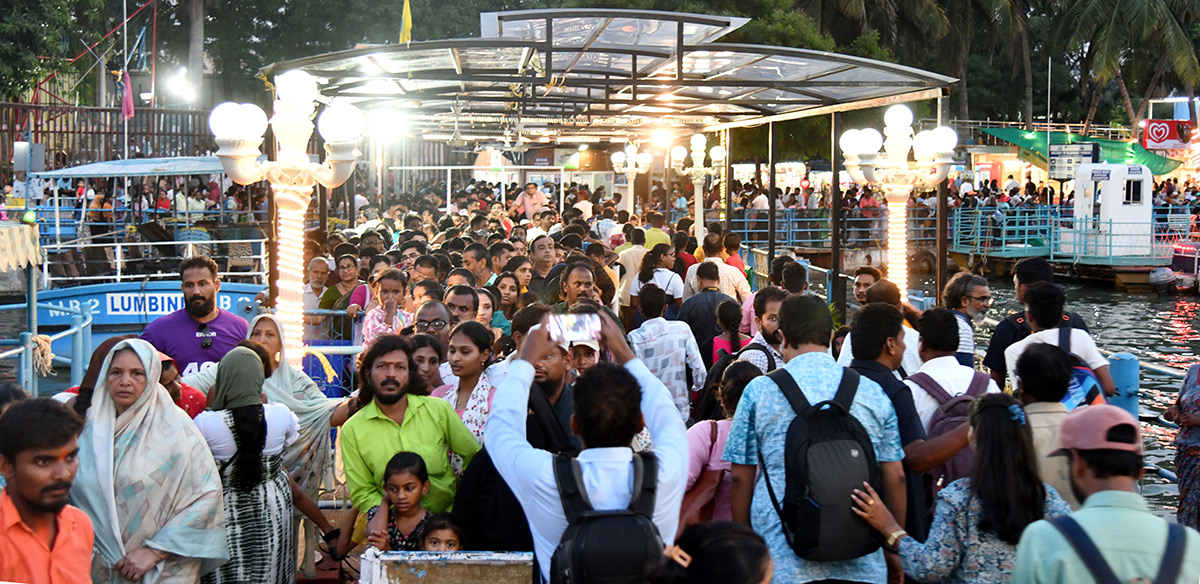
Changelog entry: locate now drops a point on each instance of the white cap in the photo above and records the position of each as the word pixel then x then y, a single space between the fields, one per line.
pixel 595 346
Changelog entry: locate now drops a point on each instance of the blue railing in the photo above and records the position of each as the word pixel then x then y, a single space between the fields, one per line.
pixel 80 333
pixel 69 222
pixel 809 228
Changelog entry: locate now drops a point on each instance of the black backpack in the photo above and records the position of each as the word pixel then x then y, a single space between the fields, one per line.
pixel 827 454
pixel 707 406
pixel 606 547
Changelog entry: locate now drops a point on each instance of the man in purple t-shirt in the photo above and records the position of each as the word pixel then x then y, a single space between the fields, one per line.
pixel 200 334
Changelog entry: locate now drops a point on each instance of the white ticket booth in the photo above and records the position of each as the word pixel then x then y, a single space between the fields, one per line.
pixel 1112 213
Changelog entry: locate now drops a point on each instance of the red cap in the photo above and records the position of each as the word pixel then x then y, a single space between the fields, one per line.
pixel 1086 428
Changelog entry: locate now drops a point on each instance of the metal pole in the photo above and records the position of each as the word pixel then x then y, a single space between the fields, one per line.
pixel 447 191
pixel 728 194
pixel 771 192
pixel 941 269
pixel 834 283
pixel 77 356
pixel 323 208
pixel 87 329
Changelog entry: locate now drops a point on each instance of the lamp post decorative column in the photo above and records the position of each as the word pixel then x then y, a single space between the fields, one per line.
pixel 697 172
pixel 896 175
pixel 239 130
pixel 631 163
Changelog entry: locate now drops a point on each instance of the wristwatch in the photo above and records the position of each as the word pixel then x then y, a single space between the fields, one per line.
pixel 895 538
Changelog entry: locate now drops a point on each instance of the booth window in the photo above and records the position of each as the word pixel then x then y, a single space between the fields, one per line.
pixel 1133 192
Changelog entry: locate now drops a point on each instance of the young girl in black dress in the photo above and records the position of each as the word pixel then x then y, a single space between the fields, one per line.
pixel 405 482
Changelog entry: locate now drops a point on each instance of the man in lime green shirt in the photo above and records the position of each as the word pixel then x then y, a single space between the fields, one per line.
pixel 655 234
pixel 393 419
pixel 1104 444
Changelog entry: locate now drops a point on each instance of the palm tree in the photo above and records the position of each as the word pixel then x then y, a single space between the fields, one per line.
pixel 907 26
pixel 1113 31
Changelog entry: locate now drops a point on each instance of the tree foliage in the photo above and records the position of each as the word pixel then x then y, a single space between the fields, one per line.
pixel 31 42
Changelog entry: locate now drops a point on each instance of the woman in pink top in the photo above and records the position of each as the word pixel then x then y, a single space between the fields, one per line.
pixel 705 454
pixel 469 352
pixel 729 318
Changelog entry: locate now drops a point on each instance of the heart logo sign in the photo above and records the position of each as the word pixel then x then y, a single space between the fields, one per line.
pixel 1158 131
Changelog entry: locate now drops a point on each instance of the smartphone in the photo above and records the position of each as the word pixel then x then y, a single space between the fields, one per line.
pixel 574 327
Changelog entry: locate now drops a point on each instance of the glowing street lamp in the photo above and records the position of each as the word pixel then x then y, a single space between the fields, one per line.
pixel 697 172
pixel 631 163
pixel 239 130
pixel 934 153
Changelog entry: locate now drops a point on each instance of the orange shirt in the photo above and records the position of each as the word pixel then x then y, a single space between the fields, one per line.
pixel 26 557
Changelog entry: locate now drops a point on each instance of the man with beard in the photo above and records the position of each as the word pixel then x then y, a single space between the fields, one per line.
pixel 395 415
pixel 550 371
pixel 766 317
pixel 969 297
pixel 200 334
pixel 1115 528
pixel 43 540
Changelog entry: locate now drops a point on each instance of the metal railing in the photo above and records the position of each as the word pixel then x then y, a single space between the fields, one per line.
pixel 1054 232
pixel 56 224
pixel 810 228
pixel 80 333
pixel 96 259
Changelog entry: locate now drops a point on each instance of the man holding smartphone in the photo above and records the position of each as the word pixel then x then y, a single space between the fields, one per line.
pixel 606 420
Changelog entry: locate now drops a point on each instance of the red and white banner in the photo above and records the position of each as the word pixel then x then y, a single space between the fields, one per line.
pixel 1167 134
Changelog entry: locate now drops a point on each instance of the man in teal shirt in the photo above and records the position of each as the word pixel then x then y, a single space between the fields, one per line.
pixel 1104 444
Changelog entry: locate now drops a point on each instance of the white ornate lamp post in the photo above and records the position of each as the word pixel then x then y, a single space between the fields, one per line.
pixel 239 132
pixel 631 163
pixel 697 172
pixel 896 175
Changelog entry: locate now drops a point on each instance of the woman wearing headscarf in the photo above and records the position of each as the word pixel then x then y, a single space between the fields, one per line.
pixel 308 459
pixel 247 439
pixel 146 478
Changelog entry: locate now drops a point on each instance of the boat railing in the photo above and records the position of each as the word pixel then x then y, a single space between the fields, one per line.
pixel 137 257
pixel 58 223
pixel 80 333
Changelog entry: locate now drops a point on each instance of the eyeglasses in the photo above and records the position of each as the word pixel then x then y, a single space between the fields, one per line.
pixel 981 299
pixel 436 325
pixel 206 335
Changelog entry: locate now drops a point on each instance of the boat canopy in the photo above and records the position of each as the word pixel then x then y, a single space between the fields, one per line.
pixel 1112 151
pixel 140 167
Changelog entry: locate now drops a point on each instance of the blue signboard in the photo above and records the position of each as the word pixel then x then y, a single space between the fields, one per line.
pixel 135 304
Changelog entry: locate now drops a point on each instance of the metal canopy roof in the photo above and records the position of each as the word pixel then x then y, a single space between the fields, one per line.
pixel 600 74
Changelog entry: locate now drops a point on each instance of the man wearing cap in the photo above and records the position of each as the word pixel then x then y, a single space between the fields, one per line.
pixel 1114 530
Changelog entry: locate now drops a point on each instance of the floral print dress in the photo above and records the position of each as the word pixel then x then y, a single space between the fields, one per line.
pixel 475 416
pixel 957 551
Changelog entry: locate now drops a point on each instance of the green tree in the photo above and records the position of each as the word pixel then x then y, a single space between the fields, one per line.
pixel 31 43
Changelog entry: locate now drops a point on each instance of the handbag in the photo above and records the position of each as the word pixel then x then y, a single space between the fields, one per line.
pixel 699 500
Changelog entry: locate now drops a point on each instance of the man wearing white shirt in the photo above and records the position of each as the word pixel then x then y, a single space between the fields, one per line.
pixel 606 421
pixel 939 341
pixel 314 326
pixel 761 202
pixel 1044 304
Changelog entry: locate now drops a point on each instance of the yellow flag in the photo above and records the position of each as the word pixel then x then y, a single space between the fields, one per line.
pixel 406 27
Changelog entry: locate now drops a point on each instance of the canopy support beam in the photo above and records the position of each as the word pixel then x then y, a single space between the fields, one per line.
pixel 832 109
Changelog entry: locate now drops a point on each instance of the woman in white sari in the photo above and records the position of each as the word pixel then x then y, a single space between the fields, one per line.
pixel 147 479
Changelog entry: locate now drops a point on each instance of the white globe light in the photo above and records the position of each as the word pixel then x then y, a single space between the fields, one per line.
pixel 223 121
pixel 341 123
pixel 645 159
pixel 253 120
pixel 849 141
pixel 631 153
pixel 923 142
pixel 944 139
pixel 699 141
pixel 898 116
pixel 718 153
pixel 869 141
pixel 296 85
pixel 618 158
pixel 679 153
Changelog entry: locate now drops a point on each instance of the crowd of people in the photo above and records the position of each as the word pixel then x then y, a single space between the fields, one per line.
pixel 608 393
